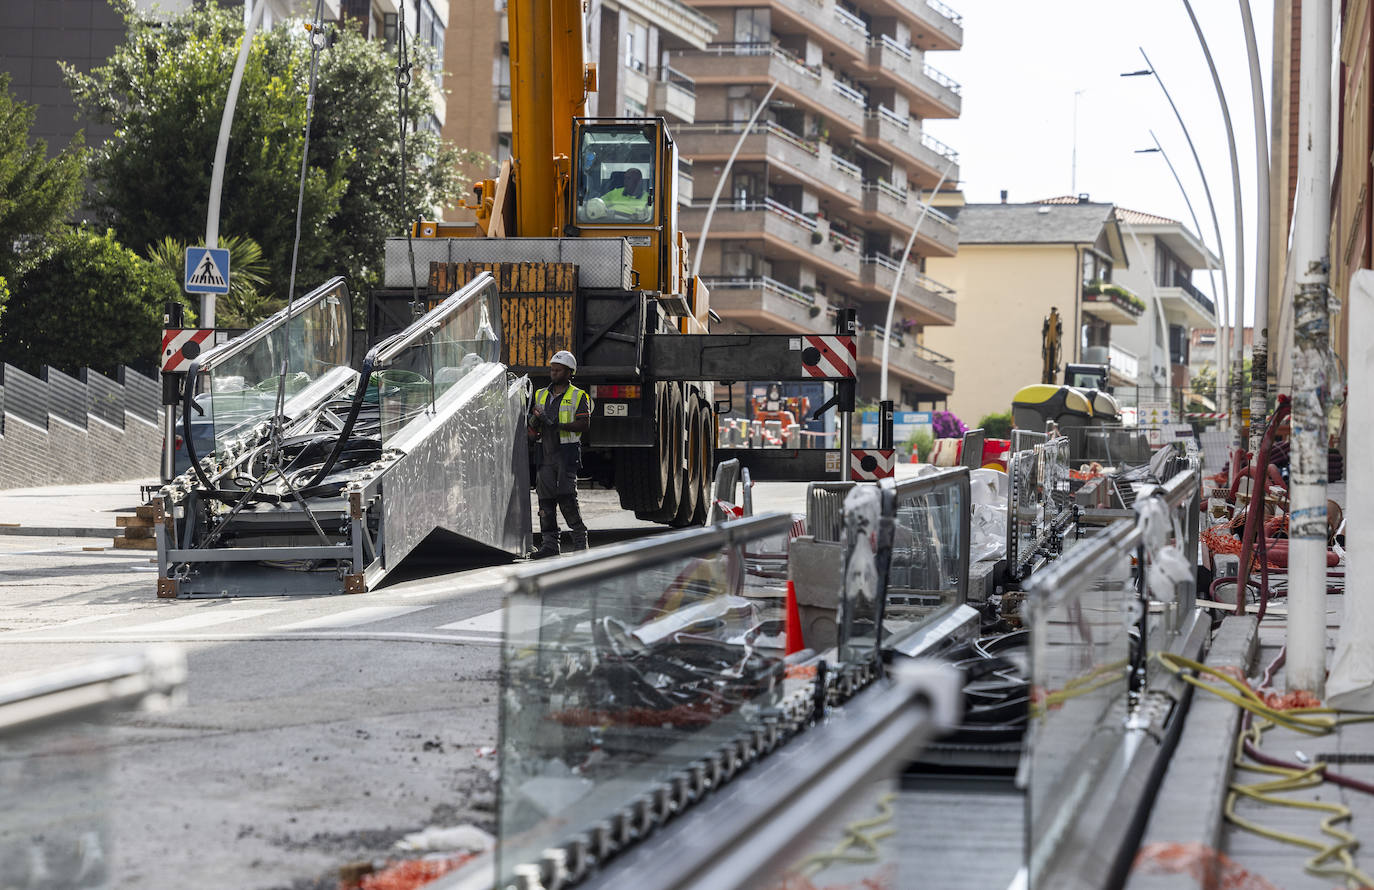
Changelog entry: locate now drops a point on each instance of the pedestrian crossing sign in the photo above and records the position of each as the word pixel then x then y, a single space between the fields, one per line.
pixel 207 270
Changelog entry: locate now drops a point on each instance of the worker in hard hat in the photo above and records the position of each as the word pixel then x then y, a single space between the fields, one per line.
pixel 559 414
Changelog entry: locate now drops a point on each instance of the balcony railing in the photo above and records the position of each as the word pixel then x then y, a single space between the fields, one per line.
pixel 887 188
pixel 762 283
pixel 945 11
pixel 848 92
pixel 911 274
pixel 851 20
pixel 924 352
pixel 668 74
pixel 762 48
pixel 769 127
pixel 942 78
pixel 1186 285
pixel 939 147
pixel 848 168
pixel 892 117
pixel 889 42
pixel 844 241
pixel 1123 361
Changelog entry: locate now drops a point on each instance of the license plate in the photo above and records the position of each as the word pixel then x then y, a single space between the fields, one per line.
pixel 611 409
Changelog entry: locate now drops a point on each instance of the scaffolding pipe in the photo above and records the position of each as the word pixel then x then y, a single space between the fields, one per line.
pixel 1351 684
pixel 1236 383
pixel 1307 529
pixel 1259 353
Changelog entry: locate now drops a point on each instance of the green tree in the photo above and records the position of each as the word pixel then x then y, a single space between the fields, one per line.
pixel 36 194
pixel 244 305
pixel 89 302
pixel 164 90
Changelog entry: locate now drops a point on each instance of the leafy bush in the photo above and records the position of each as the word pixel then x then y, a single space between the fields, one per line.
pixel 920 443
pixel 996 426
pixel 948 425
pixel 88 302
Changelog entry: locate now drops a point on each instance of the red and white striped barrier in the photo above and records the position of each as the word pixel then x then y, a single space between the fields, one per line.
pixel 872 464
pixel 180 346
pixel 1206 415
pixel 829 357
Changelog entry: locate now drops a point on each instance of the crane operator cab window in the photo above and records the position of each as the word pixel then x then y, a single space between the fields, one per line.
pixel 616 175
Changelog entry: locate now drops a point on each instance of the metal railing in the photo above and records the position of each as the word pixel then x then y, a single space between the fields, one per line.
pixel 848 168
pixel 887 41
pixel 939 147
pixel 763 283
pixel 1185 284
pixel 886 188
pixel 892 117
pixel 771 128
pixel 848 92
pixel 670 75
pixel 911 274
pixel 851 20
pixel 946 11
pixel 941 78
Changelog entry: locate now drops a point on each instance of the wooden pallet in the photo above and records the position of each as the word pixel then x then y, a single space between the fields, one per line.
pixel 537 305
pixel 137 531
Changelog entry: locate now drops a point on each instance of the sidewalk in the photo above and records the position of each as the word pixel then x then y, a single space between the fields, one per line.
pixel 68 511
pixel 1189 839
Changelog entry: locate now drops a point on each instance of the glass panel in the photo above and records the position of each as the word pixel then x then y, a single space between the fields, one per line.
pixel 929 551
pixel 240 378
pixel 621 672
pixel 1079 615
pixel 867 551
pixel 456 337
pixel 858 847
pixel 616 179
pixel 1025 509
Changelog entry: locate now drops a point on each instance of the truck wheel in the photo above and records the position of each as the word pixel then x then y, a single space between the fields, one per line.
pixel 642 474
pixel 673 420
pixel 691 475
pixel 708 464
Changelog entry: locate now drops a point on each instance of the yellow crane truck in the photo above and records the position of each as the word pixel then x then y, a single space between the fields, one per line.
pixel 580 229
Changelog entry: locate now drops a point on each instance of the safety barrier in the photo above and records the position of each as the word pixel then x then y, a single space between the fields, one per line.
pixel 55 763
pixel 1102 714
pixel 1039 504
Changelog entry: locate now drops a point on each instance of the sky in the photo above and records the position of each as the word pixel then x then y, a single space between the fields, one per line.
pixel 1026 66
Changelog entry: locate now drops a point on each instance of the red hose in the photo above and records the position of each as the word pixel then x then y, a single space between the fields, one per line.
pixel 1254 518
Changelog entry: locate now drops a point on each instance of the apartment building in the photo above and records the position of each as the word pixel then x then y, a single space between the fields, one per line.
pixel 1015 263
pixel 1162 256
pixel 828 186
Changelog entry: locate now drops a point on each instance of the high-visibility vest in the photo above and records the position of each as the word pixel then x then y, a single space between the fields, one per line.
pixel 567 409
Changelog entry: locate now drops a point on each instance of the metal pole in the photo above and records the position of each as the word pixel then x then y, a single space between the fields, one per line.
pixel 207 311
pixel 1351 684
pixel 1237 381
pixel 1306 668
pixel 724 175
pixel 897 279
pixel 1259 356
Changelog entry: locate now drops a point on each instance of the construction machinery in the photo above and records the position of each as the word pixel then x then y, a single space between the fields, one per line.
pixel 579 229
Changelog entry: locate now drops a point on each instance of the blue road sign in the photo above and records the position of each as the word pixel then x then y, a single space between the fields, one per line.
pixel 207 270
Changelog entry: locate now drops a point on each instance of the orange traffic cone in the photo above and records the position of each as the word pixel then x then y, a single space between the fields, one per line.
pixel 793 622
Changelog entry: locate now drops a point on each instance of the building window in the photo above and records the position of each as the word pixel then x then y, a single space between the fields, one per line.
pixel 389 29
pixel 1095 267
pixel 503 74
pixel 752 26
pixel 637 47
pixel 1178 344
pixel 635 109
pixel 502 148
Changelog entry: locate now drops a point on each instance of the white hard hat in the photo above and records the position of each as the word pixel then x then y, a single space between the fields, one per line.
pixel 564 358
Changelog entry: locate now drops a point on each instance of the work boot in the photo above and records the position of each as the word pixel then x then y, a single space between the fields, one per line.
pixel 548 546
pixel 579 539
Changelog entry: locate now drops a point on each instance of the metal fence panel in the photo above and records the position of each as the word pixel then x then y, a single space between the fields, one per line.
pixel 67 397
pixel 106 397
pixel 142 395
pixel 25 396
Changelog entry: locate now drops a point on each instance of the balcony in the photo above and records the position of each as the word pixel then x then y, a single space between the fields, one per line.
pixel 886 204
pixel 732 64
pixel 934 25
pixel 1124 365
pixel 769 305
pixel 930 93
pixel 808 162
pixel 675 95
pixel 912 361
pixel 927 156
pixel 927 299
pixel 1112 303
pixel 829 25
pixel 1185 304
pixel 781 228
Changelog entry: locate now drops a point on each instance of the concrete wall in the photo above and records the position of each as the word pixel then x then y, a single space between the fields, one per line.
pixel 1005 292
pixel 62 430
pixel 65 454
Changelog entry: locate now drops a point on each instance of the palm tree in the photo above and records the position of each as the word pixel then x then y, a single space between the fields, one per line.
pixel 244 305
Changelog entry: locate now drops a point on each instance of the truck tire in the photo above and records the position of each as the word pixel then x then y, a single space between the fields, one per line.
pixel 691 477
pixel 708 463
pixel 672 422
pixel 641 474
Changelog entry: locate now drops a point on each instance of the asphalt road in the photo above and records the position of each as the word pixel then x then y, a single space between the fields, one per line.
pixel 316 732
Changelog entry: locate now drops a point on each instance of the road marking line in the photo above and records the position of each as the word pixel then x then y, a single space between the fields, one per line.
pixel 488 622
pixel 73 623
pixel 190 622
pixel 353 617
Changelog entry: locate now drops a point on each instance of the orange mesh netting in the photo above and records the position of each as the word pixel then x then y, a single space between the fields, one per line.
pixel 412 873
pixel 1214 869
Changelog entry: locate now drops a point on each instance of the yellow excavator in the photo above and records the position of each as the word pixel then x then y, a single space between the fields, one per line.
pixel 1083 399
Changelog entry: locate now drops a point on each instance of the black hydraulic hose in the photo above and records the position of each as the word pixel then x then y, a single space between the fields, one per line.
pixel 186 406
pixel 364 377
